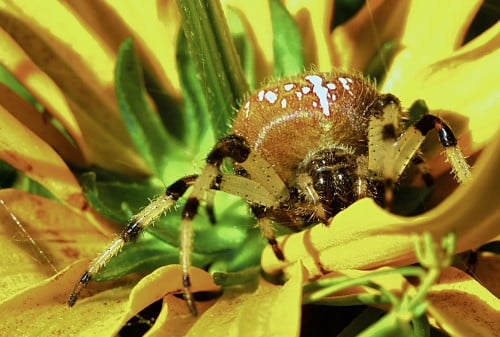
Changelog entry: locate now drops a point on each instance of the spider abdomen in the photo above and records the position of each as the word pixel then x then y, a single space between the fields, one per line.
pixel 288 119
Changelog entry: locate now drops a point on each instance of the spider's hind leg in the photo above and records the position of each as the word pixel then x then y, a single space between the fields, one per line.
pixel 141 220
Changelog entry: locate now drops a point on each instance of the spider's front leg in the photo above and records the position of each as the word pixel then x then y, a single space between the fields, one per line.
pixel 261 185
pixel 392 151
pixel 140 221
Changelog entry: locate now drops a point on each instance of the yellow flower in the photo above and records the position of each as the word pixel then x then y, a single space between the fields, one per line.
pixel 64 54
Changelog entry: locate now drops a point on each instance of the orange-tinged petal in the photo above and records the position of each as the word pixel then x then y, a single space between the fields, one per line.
pixel 83 73
pixel 41 85
pixel 27 114
pixel 365 236
pixel 60 236
pixel 25 151
pixel 313 20
pixel 463 307
pixel 357 41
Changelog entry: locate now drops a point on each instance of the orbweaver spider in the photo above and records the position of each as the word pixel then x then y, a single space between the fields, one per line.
pixel 303 150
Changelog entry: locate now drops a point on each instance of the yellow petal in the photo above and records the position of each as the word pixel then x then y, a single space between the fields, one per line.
pixel 258 22
pixel 357 41
pixel 270 310
pixel 44 306
pixel 430 35
pixel 60 236
pixel 41 86
pixel 313 20
pixel 365 236
pixel 25 151
pixel 83 73
pixel 463 83
pixel 154 26
pixel 28 115
pixel 463 307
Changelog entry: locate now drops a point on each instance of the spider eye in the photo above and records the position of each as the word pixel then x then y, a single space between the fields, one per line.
pixel 333 177
pixel 335 186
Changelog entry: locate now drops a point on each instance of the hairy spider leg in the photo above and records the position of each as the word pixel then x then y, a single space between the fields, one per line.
pixel 265 188
pixel 399 150
pixel 382 134
pixel 409 143
pixel 144 218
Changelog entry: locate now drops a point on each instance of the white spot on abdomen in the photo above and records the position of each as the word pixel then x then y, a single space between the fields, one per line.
pixel 271 97
pixel 320 91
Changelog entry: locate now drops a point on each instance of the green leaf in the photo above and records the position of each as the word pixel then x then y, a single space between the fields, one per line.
pixel 232 228
pixel 12 83
pixel 217 63
pixel 91 192
pixel 7 175
pixel 377 68
pixel 247 255
pixel 417 110
pixel 196 110
pixel 243 44
pixel 143 124
pixel 366 318
pixel 287 42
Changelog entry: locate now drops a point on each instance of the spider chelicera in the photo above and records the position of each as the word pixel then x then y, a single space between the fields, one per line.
pixel 303 149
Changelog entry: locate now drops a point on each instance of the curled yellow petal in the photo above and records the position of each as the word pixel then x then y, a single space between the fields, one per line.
pixel 432 31
pixel 42 310
pixel 52 236
pixel 76 83
pixel 462 83
pixel 365 236
pixel 268 310
pixel 25 151
pixel 463 307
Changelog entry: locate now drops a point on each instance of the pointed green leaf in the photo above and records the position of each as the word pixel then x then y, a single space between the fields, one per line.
pixel 217 63
pixel 144 125
pixel 287 42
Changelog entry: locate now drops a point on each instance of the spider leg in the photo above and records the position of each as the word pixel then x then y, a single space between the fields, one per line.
pixel 382 134
pixel 389 155
pixel 264 188
pixel 421 164
pixel 409 143
pixel 144 218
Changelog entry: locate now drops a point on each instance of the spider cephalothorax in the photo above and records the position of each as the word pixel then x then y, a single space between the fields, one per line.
pixel 303 149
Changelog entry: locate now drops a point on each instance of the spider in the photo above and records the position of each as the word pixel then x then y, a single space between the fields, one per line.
pixel 303 149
